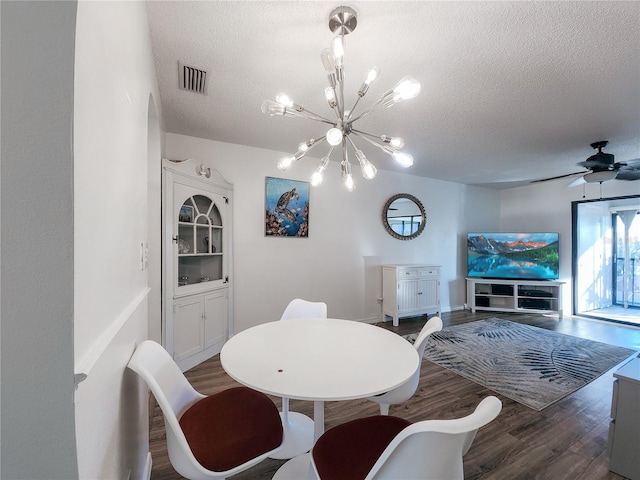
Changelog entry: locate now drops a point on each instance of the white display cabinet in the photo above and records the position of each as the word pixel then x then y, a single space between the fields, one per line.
pixel 409 291
pixel 197 314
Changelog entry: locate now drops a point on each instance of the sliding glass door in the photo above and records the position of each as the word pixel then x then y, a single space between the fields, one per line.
pixel 626 232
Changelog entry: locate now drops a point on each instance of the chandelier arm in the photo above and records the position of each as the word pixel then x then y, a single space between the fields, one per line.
pixel 372 108
pixel 309 145
pixel 317 141
pixel 354 107
pixel 362 136
pixel 351 142
pixel 394 143
pixel 341 97
pixel 345 157
pixel 331 147
pixel 365 133
pixel 314 116
pixel 322 119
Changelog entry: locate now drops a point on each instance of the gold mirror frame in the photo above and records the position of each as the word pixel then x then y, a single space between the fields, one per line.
pixel 385 216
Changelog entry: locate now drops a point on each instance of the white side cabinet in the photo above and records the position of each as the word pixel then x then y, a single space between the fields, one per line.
pixel 624 429
pixel 197 280
pixel 409 291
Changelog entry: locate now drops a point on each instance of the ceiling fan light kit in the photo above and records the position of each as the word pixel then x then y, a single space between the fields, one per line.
pixel 599 177
pixel 342 21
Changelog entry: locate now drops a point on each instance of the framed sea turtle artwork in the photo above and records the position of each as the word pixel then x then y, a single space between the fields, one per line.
pixel 286 208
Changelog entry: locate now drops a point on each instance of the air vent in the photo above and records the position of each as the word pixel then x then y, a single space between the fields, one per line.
pixel 192 79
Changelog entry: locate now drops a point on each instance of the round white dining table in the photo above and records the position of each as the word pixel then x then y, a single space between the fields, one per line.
pixel 319 359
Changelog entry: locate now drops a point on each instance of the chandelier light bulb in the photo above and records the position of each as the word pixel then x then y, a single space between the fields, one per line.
pixel 327 60
pixel 395 142
pixel 404 159
pixel 269 107
pixel 347 177
pixel 368 170
pixel 334 136
pixel 285 162
pixel 338 49
pixel 372 75
pixel 284 99
pixel 316 178
pixel 349 183
pixel 318 175
pixel 406 89
pixel 329 65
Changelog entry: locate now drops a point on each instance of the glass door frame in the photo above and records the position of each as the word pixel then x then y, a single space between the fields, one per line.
pixel 575 253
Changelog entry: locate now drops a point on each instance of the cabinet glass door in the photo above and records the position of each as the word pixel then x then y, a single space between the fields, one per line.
pixel 199 249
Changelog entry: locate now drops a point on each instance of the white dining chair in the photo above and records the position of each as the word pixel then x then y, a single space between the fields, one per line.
pixel 208 437
pixel 298 427
pixel 299 308
pixel 405 391
pixel 385 447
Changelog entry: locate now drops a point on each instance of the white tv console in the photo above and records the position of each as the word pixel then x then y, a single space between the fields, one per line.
pixel 526 296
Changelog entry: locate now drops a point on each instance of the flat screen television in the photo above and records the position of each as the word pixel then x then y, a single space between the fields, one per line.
pixel 513 256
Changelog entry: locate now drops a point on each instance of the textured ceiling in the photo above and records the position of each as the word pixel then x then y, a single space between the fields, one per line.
pixel 511 91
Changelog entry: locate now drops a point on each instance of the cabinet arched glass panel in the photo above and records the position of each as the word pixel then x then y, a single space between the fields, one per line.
pixel 200 249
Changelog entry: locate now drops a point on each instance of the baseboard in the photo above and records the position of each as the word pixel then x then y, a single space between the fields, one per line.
pixel 146 474
pixel 371 320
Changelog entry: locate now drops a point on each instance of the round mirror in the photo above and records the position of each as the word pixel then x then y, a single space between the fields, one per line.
pixel 403 216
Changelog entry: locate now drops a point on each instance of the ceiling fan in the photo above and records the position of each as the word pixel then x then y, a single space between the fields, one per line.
pixel 602 168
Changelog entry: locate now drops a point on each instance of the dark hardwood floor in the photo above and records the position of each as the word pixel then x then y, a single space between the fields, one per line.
pixel 564 441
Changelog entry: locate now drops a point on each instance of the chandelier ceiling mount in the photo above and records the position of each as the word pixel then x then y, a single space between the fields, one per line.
pixel 342 21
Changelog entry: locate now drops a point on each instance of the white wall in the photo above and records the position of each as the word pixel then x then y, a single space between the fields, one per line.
pixel 116 136
pixel 547 207
pixel 154 222
pixel 340 261
pixel 37 429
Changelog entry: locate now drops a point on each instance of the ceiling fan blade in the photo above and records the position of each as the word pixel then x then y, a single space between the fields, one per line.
pixel 576 182
pixel 628 173
pixel 633 163
pixel 555 178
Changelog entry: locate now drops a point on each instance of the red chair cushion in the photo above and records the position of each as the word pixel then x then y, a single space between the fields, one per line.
pixel 349 451
pixel 231 427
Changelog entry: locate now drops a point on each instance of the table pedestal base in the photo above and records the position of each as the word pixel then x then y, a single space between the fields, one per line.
pixel 298 468
pixel 298 435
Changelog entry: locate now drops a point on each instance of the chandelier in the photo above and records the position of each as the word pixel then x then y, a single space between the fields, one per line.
pixel 343 20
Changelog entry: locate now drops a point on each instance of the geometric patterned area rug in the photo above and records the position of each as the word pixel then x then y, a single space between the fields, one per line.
pixel 531 365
